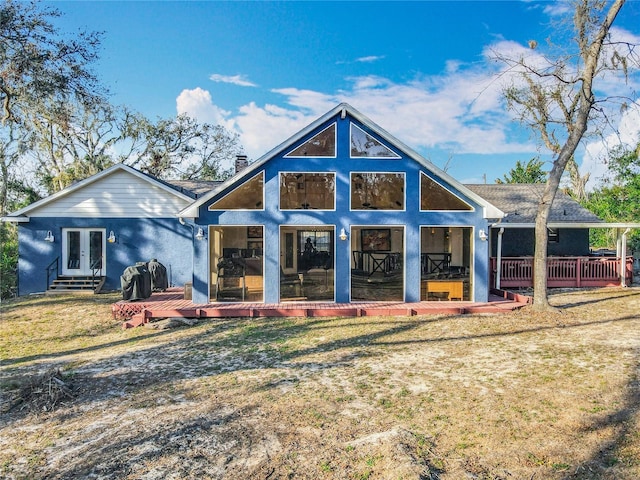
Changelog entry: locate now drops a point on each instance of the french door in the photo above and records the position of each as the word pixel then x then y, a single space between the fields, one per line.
pixel 83 251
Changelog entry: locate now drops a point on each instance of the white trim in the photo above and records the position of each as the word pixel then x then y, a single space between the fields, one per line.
pixel 84 268
pixel 12 219
pixel 498 260
pixel 623 258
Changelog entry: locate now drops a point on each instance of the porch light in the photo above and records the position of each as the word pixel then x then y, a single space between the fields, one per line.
pixel 112 237
pixel 49 237
pixel 200 234
pixel 483 235
pixel 343 234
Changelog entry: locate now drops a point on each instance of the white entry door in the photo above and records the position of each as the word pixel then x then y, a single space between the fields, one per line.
pixel 83 251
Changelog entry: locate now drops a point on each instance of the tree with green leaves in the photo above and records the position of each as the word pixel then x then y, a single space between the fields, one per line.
pixel 73 142
pixel 530 172
pixel 618 200
pixel 555 95
pixel 40 71
pixel 179 147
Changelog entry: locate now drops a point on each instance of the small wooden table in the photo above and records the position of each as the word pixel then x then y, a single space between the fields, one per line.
pixel 453 288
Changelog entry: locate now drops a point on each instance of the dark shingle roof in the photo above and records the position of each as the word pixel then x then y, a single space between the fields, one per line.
pixel 193 188
pixel 520 203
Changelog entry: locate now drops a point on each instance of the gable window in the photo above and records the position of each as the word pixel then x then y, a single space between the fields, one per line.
pixel 307 191
pixel 321 145
pixel 377 191
pixel 248 196
pixel 435 197
pixel 366 145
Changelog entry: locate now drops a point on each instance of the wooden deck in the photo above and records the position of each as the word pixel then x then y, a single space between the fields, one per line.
pixel 171 303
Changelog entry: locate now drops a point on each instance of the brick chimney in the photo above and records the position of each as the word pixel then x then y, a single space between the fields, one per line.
pixel 241 162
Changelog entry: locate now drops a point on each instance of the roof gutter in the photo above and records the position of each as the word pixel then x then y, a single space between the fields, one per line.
pixel 17 219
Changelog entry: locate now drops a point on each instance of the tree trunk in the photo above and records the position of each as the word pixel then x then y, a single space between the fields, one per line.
pixel 576 123
pixel 540 299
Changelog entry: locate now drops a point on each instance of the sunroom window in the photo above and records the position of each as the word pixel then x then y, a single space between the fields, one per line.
pixel 321 145
pixel 434 197
pixel 377 191
pixel 248 196
pixel 366 145
pixel 307 191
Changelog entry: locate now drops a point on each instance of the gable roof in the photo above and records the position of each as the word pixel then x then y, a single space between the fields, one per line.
pixel 344 109
pixel 520 203
pixel 22 215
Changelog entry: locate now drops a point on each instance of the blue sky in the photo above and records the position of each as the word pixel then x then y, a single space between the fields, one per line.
pixel 421 70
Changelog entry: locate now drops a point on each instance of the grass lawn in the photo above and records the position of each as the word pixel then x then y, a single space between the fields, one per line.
pixel 512 396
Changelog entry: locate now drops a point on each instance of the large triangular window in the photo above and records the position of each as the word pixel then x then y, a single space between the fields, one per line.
pixel 248 196
pixel 365 145
pixel 435 197
pixel 321 145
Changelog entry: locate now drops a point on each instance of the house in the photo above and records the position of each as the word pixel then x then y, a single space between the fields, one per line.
pixel 340 212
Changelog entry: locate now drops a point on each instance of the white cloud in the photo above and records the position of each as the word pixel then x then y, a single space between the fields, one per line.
pixel 239 80
pixel 365 59
pixel 263 128
pixel 557 9
pixel 197 103
pixel 370 59
pixel 307 100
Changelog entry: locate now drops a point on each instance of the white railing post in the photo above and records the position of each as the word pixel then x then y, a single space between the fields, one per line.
pixel 499 258
pixel 623 258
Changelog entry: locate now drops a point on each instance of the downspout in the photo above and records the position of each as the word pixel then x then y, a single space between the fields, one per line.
pixel 623 259
pixel 499 258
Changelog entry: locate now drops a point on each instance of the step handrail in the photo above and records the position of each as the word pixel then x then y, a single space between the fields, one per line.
pixel 53 266
pixel 96 267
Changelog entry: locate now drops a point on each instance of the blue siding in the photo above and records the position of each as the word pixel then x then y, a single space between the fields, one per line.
pixel 411 218
pixel 138 240
pixel 519 242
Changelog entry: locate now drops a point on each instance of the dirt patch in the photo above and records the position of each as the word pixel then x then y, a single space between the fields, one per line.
pixel 40 393
pixel 519 395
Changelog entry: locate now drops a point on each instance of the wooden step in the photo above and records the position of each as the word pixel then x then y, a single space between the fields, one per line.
pixel 76 284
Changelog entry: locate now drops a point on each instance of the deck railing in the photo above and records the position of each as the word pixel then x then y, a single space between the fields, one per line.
pixel 517 272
